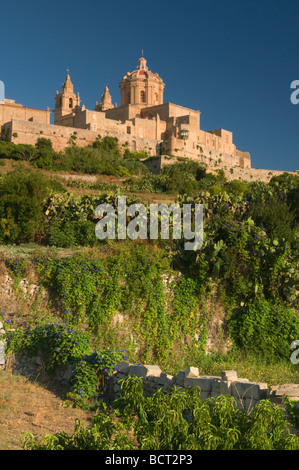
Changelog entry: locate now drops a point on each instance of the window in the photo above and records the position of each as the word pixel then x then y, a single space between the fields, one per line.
pixel 128 130
pixel 71 103
pixel 142 96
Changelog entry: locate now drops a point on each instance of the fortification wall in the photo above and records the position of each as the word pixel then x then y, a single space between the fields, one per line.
pixel 208 156
pixel 252 174
pixel 232 172
pixel 26 132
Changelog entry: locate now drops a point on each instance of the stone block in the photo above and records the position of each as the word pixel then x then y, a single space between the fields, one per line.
pixel 205 383
pixel 276 400
pixel 296 399
pixel 249 404
pixel 225 387
pixel 216 386
pixel 153 371
pixel 149 389
pixel 165 379
pixel 289 390
pixel 123 367
pixel 229 375
pixel 116 388
pixel 138 371
pixel 180 377
pixel 192 372
pixel 245 389
pixel 239 403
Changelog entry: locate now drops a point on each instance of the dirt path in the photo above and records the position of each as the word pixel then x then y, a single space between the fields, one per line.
pixel 28 407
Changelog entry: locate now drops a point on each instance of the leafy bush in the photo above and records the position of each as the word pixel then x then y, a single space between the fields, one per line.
pixel 67 234
pixel 57 342
pixel 22 193
pixel 43 143
pixel 91 374
pixel 276 215
pixel 266 329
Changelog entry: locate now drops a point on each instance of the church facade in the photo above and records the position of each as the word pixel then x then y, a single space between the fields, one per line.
pixel 142 122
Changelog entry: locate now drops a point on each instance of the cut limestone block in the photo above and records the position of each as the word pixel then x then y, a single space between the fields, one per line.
pixel 204 382
pixel 245 389
pixel 145 371
pixel 229 375
pixel 192 372
pixel 286 390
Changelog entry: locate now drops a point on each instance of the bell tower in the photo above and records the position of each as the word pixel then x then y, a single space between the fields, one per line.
pixel 106 101
pixel 66 101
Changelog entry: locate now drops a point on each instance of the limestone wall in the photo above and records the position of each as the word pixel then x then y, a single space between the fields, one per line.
pixel 10 110
pixel 26 132
pixel 232 172
pixel 193 150
pixel 252 174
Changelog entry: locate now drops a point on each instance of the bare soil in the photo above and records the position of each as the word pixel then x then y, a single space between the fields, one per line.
pixel 30 407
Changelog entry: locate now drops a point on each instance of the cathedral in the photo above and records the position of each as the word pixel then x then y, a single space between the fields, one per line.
pixel 142 121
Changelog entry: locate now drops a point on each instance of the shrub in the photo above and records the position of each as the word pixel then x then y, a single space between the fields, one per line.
pixel 70 233
pixel 22 193
pixel 275 216
pixel 43 143
pixel 57 342
pixel 265 328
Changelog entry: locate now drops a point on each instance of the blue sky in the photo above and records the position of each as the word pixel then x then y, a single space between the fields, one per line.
pixel 234 60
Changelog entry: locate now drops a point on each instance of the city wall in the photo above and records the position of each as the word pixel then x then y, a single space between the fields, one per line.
pixel 232 172
pixel 27 132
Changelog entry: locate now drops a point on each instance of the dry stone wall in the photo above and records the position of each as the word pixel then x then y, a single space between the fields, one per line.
pixel 246 393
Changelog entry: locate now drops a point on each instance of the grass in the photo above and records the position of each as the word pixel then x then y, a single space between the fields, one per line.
pixel 254 369
pixel 271 374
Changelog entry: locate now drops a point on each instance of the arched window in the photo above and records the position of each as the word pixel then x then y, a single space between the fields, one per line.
pixel 129 98
pixel 156 98
pixel 142 96
pixel 71 103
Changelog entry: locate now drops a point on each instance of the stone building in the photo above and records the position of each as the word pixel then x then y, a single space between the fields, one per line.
pixel 141 122
pixel 9 110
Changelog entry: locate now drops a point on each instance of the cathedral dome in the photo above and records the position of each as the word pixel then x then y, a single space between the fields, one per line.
pixel 142 72
pixel 141 87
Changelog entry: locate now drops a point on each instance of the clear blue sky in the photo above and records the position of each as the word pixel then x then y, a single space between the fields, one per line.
pixel 233 60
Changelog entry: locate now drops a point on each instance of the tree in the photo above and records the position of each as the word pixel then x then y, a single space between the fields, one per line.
pixel 43 143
